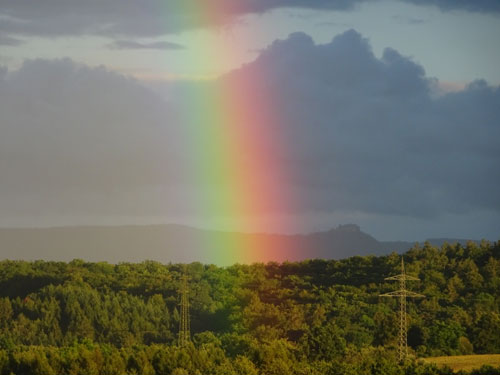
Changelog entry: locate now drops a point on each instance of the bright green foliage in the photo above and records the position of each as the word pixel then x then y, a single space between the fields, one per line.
pixel 310 317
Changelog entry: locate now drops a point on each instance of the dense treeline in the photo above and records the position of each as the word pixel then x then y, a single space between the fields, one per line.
pixel 311 317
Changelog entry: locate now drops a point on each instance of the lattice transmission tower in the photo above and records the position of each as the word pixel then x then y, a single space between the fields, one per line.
pixel 402 293
pixel 184 323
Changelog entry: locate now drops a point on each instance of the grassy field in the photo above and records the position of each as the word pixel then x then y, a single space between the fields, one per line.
pixel 466 362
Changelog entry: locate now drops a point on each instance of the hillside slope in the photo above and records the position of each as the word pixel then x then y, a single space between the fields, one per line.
pixel 177 243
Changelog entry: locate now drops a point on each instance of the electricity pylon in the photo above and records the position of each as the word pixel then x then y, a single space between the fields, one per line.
pixel 403 294
pixel 184 325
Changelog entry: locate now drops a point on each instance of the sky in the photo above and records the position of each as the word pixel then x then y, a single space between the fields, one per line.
pixel 287 116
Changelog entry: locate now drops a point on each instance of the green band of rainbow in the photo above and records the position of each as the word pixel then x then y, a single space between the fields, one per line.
pixel 233 131
pixel 236 161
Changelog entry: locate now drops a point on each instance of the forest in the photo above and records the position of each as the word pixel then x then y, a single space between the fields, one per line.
pixel 313 317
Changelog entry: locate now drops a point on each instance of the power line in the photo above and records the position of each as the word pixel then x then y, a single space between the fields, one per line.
pixel 403 294
pixel 184 323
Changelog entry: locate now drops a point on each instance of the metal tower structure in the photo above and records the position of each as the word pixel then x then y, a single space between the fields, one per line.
pixel 402 293
pixel 184 324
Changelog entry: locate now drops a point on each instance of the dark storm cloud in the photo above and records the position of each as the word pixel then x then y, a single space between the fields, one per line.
pixel 362 134
pixel 366 134
pixel 484 6
pixel 157 17
pixel 132 44
pixel 135 18
pixel 466 5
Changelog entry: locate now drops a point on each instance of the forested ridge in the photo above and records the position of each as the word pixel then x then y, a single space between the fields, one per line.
pixel 309 317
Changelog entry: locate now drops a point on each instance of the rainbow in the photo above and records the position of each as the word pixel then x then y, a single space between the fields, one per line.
pixel 234 129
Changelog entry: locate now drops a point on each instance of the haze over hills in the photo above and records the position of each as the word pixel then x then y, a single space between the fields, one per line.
pixel 177 243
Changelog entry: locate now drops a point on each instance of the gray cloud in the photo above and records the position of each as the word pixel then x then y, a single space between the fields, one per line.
pixel 132 44
pixel 366 134
pixel 333 24
pixel 82 140
pixel 6 40
pixel 408 20
pixel 360 134
pixel 120 18
pixel 484 6
pixel 131 18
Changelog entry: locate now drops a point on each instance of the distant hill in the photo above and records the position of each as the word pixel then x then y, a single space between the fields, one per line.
pixel 177 243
